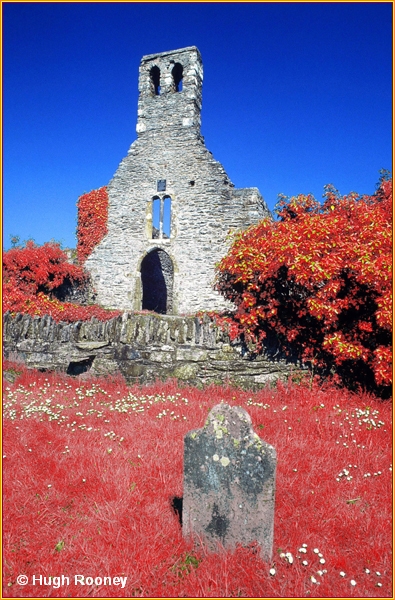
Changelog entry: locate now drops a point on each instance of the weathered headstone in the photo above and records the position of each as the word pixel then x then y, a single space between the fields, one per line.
pixel 229 482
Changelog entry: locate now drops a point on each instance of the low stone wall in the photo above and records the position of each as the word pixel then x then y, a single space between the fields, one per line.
pixel 142 347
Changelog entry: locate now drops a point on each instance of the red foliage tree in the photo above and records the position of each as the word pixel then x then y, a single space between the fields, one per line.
pixel 35 279
pixel 92 221
pixel 320 280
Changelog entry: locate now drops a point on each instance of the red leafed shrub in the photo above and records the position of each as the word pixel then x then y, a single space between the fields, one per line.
pixel 34 269
pixel 92 221
pixel 320 280
pixel 36 278
pixel 41 305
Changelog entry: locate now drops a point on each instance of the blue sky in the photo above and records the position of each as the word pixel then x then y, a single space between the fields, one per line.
pixel 295 96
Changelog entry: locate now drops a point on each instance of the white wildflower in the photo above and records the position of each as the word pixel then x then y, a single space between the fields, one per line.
pixel 289 558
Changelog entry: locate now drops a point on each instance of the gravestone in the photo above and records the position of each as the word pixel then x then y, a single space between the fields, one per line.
pixel 229 482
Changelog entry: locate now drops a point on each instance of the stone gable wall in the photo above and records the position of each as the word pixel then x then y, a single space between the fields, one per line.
pixel 205 206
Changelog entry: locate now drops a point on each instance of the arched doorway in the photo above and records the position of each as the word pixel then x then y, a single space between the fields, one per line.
pixel 157 282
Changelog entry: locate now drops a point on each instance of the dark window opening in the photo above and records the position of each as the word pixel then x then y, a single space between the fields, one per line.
pixel 177 77
pixel 155 80
pixel 157 282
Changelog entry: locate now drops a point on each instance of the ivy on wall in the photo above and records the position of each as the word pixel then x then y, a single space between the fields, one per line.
pixel 92 221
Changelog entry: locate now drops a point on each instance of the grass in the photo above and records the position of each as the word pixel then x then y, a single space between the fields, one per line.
pixel 90 468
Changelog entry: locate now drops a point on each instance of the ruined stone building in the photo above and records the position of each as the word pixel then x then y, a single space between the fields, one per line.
pixel 171 204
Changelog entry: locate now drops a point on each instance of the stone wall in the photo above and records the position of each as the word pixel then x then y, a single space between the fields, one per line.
pixel 142 347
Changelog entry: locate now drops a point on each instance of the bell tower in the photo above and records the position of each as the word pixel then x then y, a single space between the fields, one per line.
pixel 170 92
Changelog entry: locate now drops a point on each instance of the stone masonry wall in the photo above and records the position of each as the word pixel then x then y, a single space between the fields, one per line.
pixel 205 206
pixel 142 347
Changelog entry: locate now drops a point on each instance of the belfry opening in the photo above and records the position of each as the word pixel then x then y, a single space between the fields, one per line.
pixel 157 275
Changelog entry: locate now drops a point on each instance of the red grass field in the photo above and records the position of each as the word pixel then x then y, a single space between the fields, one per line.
pixel 90 468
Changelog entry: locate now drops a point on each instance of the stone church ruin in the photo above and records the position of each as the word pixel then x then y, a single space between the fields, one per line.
pixel 171 207
pixel 171 204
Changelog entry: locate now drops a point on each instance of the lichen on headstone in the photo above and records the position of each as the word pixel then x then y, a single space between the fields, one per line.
pixel 229 482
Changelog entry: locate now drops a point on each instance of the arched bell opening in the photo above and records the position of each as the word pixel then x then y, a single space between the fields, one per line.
pixel 155 80
pixel 177 72
pixel 157 276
